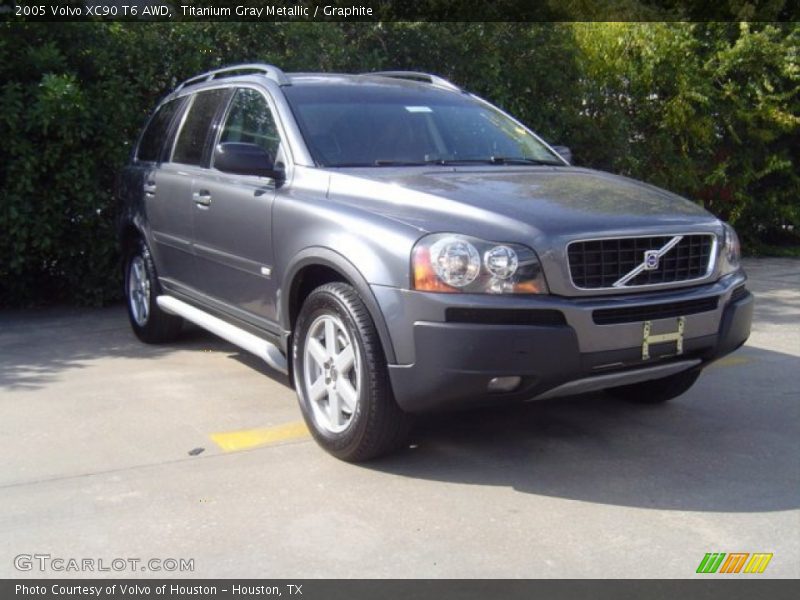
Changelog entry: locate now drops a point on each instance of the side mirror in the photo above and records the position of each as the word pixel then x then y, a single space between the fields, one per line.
pixel 565 152
pixel 245 159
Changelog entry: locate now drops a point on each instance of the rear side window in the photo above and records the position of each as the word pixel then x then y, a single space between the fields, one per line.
pixel 191 144
pixel 156 132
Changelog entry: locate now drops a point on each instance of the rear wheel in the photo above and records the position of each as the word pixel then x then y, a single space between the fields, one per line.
pixel 657 390
pixel 150 324
pixel 341 377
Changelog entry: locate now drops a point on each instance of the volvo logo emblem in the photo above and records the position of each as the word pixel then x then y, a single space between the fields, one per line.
pixel 651 259
pixel 651 262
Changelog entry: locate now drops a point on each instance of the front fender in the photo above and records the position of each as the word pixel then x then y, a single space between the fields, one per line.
pixel 333 260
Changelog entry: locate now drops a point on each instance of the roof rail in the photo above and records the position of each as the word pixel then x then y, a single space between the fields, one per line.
pixel 418 76
pixel 272 72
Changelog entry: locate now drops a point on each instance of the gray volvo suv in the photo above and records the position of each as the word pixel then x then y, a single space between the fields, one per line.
pixel 398 245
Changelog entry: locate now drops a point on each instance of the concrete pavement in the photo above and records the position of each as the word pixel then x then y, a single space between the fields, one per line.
pixel 114 449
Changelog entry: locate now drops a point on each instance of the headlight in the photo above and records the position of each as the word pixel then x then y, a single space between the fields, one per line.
pixel 501 261
pixel 456 262
pixel 451 263
pixel 731 250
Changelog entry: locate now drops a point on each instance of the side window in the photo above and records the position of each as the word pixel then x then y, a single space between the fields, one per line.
pixel 250 121
pixel 157 129
pixel 191 144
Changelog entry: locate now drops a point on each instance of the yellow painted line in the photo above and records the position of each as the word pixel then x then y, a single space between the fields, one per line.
pixel 732 361
pixel 231 441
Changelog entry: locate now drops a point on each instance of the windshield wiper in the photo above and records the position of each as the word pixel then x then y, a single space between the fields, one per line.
pixel 492 160
pixel 520 160
pixel 429 161
pixel 400 163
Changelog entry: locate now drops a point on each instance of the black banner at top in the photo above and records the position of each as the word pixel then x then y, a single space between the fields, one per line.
pixel 398 10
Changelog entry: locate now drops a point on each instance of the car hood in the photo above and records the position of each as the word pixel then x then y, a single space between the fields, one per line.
pixel 530 201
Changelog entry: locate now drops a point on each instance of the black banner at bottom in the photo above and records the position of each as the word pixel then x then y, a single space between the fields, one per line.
pixel 411 589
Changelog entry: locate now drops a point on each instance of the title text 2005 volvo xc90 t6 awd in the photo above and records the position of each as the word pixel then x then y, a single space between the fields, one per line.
pixel 397 245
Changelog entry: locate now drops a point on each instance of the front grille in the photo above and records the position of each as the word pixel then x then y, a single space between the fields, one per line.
pixel 596 264
pixel 505 316
pixel 610 316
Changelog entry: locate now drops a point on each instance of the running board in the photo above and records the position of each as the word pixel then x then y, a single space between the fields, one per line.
pixel 239 337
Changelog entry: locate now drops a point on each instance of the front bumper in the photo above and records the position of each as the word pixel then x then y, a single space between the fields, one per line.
pixel 445 364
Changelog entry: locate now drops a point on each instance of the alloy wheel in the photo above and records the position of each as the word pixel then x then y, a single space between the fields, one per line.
pixel 139 291
pixel 331 373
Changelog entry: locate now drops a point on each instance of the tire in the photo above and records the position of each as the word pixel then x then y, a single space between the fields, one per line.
pixel 657 391
pixel 150 324
pixel 341 377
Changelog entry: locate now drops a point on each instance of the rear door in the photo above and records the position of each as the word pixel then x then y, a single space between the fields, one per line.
pixel 168 217
pixel 233 216
pixel 189 156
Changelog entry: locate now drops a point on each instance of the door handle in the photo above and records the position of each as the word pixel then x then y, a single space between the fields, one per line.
pixel 150 188
pixel 202 198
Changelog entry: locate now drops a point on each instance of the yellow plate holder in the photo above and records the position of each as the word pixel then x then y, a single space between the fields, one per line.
pixel 676 337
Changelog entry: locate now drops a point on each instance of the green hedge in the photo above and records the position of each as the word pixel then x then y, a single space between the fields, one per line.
pixel 707 110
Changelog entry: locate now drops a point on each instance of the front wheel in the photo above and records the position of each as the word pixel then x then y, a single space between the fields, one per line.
pixel 657 391
pixel 341 377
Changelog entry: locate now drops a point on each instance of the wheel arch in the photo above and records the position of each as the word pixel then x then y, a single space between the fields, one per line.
pixel 320 266
pixel 128 236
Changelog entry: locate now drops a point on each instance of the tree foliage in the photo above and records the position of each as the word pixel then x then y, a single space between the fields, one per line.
pixel 708 110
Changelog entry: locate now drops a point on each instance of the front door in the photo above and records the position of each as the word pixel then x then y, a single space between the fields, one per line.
pixel 233 216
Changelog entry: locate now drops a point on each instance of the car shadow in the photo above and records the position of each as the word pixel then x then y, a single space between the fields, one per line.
pixel 257 364
pixel 37 345
pixel 730 444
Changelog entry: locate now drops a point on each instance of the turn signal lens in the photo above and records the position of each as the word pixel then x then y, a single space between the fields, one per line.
pixel 425 277
pixel 527 287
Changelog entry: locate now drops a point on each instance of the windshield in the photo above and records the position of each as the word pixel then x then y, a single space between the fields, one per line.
pixel 357 125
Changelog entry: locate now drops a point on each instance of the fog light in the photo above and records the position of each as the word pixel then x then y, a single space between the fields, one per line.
pixel 504 384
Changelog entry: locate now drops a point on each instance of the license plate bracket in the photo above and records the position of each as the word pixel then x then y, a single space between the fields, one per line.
pixel 649 338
